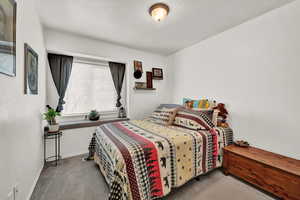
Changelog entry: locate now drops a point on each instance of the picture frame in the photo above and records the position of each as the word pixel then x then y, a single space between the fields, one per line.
pixel 140 85
pixel 31 71
pixel 8 16
pixel 138 65
pixel 157 73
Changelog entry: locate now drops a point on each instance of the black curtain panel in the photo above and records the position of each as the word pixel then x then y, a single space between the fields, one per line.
pixel 61 67
pixel 117 71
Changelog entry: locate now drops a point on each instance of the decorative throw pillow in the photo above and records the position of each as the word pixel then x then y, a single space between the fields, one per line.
pixel 193 120
pixel 202 104
pixel 163 115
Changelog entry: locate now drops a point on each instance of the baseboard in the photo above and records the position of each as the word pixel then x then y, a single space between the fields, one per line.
pixel 35 182
pixel 74 154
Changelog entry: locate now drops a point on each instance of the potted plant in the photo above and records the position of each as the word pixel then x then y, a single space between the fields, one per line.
pixel 94 115
pixel 50 116
pixel 122 112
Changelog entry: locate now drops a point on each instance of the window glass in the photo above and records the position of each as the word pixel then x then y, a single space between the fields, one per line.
pixel 90 87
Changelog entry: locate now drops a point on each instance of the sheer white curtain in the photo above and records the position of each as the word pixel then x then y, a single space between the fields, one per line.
pixel 90 87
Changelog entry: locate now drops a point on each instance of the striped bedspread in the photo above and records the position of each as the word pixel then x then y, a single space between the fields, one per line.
pixel 141 160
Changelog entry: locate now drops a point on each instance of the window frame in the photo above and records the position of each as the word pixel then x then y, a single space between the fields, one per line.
pixel 108 113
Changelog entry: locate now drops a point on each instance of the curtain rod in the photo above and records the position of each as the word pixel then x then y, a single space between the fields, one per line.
pixel 80 55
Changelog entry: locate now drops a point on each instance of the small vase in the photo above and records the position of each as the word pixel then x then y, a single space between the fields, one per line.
pixel 122 113
pixel 53 127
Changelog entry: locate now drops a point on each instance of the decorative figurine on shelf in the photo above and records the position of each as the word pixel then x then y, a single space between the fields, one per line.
pixel 222 115
pixel 149 79
pixel 241 143
pixel 94 115
pixel 50 116
pixel 122 112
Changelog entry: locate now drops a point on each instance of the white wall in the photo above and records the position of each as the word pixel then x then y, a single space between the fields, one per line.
pixel 254 69
pixel 140 103
pixel 21 147
pixel 73 142
pixel 60 41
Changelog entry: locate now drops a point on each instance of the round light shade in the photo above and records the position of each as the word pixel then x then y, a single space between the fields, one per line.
pixel 159 11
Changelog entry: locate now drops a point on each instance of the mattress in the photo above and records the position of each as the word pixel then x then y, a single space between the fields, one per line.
pixel 142 160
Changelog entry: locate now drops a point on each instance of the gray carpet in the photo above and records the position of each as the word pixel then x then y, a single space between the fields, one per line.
pixel 75 179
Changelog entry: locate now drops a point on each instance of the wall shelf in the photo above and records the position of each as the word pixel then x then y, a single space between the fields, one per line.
pixel 135 88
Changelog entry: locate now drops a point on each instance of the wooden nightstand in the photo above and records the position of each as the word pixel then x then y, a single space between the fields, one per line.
pixel 271 172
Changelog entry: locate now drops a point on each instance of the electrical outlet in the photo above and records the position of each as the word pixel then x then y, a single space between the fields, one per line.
pixel 16 191
pixel 10 196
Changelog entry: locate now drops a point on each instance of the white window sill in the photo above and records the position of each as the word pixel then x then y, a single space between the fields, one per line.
pixel 87 123
pixel 83 116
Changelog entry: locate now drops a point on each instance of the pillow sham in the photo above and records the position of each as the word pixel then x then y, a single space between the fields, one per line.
pixel 200 105
pixel 193 120
pixel 170 106
pixel 164 116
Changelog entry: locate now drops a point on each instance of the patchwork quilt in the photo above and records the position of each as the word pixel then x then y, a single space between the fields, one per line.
pixel 142 160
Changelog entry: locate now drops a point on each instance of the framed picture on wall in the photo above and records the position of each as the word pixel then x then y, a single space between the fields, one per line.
pixel 8 12
pixel 140 84
pixel 138 65
pixel 31 71
pixel 157 73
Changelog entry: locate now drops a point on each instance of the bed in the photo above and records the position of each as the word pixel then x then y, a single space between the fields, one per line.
pixel 144 160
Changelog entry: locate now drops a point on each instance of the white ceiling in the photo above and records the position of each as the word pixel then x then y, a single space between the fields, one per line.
pixel 127 22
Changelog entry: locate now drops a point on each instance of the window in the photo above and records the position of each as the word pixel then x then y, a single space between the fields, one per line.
pixel 90 87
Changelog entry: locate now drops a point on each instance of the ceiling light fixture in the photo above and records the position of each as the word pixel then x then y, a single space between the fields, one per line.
pixel 159 11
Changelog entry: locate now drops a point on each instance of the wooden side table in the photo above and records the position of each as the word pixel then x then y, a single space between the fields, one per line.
pixel 56 137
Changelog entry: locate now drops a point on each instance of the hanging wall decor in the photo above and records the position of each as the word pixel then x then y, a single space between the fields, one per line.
pixel 137 74
pixel 138 69
pixel 157 73
pixel 149 80
pixel 138 65
pixel 140 85
pixel 31 70
pixel 8 12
